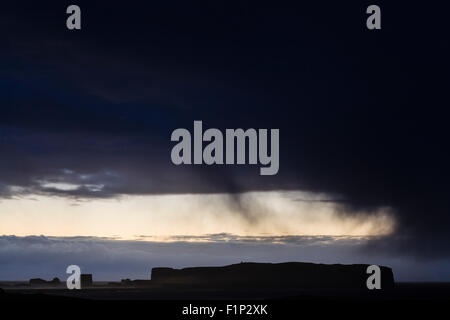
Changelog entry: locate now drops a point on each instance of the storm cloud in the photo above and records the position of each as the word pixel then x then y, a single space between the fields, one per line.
pixel 362 115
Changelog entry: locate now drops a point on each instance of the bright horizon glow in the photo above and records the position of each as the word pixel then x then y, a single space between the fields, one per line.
pixel 137 217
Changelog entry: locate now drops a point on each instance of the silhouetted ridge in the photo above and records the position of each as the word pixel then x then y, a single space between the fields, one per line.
pixel 287 275
pixel 39 281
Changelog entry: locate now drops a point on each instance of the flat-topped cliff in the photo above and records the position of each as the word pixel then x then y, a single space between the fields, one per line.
pixel 287 275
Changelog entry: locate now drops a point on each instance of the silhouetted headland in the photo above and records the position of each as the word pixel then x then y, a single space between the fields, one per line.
pixel 86 280
pixel 39 281
pixel 271 275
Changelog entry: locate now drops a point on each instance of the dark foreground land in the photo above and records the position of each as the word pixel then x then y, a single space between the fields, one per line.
pixel 401 291
pixel 405 300
pixel 240 290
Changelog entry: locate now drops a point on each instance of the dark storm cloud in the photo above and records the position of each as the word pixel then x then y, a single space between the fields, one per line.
pixel 362 115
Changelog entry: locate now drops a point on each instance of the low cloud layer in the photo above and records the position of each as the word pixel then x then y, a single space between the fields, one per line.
pixel 23 258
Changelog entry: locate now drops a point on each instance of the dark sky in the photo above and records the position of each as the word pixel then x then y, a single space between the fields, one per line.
pixel 362 114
